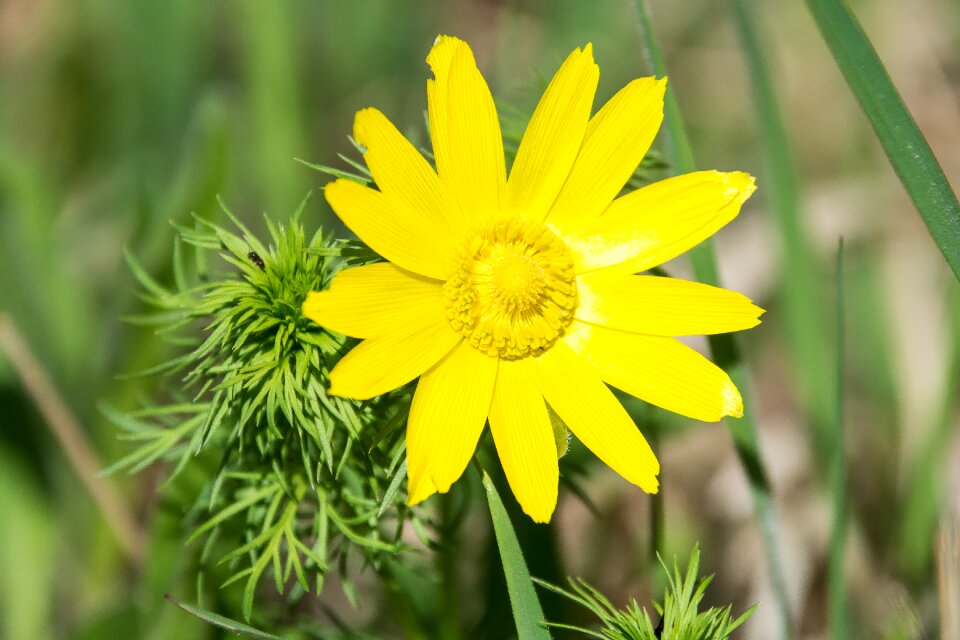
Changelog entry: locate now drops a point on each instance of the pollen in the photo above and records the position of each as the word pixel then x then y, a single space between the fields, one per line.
pixel 513 291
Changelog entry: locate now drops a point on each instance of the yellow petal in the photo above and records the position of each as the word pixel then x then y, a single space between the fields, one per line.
pixel 465 131
pixel 659 222
pixel 446 418
pixel 374 300
pixel 661 371
pixel 404 175
pixel 576 392
pixel 398 233
pixel 524 437
pixel 383 363
pixel 616 141
pixel 662 306
pixel 553 137
pixel 439 58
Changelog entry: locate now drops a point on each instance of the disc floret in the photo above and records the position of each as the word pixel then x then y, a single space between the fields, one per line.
pixel 513 291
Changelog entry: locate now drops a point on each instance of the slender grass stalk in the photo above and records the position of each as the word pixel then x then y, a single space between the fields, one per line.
pixel 726 352
pixel 527 613
pixel 839 620
pixel 657 515
pixel 802 293
pixel 70 435
pixel 906 148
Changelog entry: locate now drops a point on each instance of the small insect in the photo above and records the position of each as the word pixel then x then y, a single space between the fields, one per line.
pixel 257 260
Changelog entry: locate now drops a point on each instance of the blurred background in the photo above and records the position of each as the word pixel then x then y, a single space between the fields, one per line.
pixel 119 117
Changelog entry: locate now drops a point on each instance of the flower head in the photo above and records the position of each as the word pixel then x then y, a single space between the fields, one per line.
pixel 509 294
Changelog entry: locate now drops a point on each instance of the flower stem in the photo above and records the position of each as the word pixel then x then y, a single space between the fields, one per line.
pixel 657 517
pixel 725 350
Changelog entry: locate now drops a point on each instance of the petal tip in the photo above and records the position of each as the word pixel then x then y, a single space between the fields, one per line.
pixel 540 517
pixel 758 313
pixel 649 483
pixel 442 53
pixel 361 124
pixel 542 511
pixel 420 487
pixel 732 402
pixel 660 87
pixel 740 186
pixel 334 188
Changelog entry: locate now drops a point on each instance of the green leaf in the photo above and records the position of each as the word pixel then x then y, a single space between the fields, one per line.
pixel 224 623
pixel 905 146
pixel 527 613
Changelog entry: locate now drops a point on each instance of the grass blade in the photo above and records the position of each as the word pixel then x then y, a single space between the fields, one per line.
pixel 527 613
pixel 838 608
pixel 726 352
pixel 803 297
pixel 224 623
pixel 905 146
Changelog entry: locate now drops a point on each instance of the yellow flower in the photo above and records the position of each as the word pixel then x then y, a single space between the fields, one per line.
pixel 509 294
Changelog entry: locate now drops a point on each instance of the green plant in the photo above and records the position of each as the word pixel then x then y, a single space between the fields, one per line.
pixel 297 482
pixel 679 615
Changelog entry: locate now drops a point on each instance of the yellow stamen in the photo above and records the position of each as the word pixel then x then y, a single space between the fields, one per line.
pixel 513 291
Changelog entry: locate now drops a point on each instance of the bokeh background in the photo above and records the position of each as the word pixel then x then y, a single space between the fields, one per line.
pixel 119 117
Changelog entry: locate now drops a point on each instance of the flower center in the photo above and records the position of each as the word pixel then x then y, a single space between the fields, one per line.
pixel 513 291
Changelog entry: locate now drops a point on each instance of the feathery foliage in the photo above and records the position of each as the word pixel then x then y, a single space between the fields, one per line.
pixel 679 616
pixel 301 480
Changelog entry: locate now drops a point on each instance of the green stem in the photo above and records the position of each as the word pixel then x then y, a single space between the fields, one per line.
pixel 905 146
pixel 802 293
pixel 836 586
pixel 724 348
pixel 657 516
